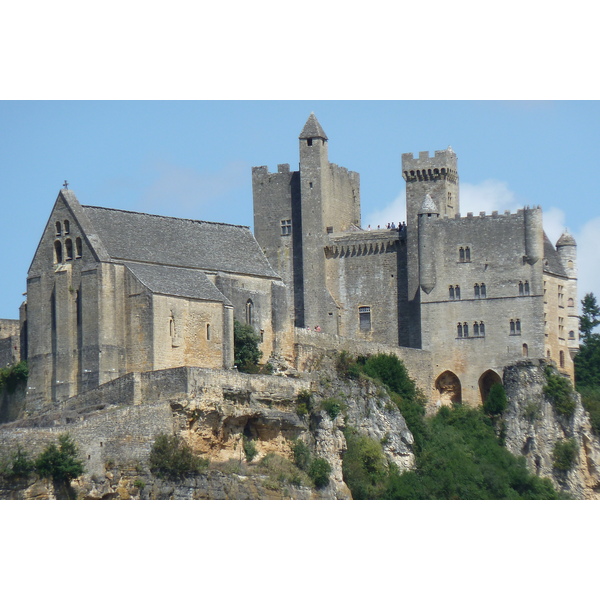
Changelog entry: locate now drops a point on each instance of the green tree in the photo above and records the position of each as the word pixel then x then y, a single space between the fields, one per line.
pixel 590 317
pixel 246 352
pixel 496 402
pixel 61 462
pixel 172 458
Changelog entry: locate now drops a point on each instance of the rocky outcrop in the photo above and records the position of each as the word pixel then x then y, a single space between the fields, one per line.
pixel 533 427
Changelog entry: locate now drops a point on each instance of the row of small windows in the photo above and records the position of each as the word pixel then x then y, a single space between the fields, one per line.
pixel 515 327
pixel 462 329
pixel 464 254
pixel 64 227
pixel 68 250
pixel 479 291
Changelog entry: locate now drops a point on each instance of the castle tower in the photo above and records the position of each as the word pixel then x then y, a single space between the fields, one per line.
pixel 427 213
pixel 567 253
pixel 436 177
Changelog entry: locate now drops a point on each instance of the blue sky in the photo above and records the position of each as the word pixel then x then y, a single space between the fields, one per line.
pixel 193 159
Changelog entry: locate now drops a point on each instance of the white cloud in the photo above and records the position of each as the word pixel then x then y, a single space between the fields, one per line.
pixel 554 223
pixel 394 212
pixel 488 196
pixel 587 258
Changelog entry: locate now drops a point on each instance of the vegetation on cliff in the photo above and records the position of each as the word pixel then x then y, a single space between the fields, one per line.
pixel 587 361
pixel 245 348
pixel 458 454
pixel 171 458
pixel 10 377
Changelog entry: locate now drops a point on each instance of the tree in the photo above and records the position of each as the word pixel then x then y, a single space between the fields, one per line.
pixel 171 458
pixel 587 361
pixel 590 313
pixel 60 462
pixel 245 344
pixel 496 402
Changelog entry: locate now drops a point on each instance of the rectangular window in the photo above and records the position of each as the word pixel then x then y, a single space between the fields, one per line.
pixel 286 227
pixel 364 316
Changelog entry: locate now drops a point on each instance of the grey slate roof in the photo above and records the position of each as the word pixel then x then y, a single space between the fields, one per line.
pixel 312 129
pixel 139 237
pixel 552 263
pixel 176 281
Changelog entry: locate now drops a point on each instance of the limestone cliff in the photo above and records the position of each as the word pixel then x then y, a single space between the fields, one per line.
pixel 533 427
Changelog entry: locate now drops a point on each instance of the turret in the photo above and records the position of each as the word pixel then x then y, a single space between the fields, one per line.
pixel 567 252
pixel 427 214
pixel 534 234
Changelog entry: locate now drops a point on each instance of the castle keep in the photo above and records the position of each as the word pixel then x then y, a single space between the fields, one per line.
pixel 111 292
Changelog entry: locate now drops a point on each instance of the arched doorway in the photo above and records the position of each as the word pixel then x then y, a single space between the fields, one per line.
pixel 486 381
pixel 448 385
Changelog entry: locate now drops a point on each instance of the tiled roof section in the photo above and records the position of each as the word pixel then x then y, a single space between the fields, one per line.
pixel 566 239
pixel 175 281
pixel 139 237
pixel 552 263
pixel 312 129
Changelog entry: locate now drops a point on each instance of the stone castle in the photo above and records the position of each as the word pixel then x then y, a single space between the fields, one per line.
pixel 458 298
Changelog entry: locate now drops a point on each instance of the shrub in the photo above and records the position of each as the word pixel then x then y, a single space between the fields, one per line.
pixel 496 402
pixel 60 462
pixel 319 471
pixel 245 348
pixel 172 458
pixel 333 407
pixel 590 397
pixel 16 464
pixel 364 466
pixel 281 471
pixel 304 403
pixel 249 449
pixel 347 366
pixel 564 454
pixel 11 376
pixel 560 392
pixel 302 456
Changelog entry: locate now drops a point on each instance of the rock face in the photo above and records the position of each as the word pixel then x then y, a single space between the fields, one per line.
pixel 215 412
pixel 533 427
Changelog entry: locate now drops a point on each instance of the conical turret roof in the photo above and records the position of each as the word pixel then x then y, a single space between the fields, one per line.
pixel 428 206
pixel 566 239
pixel 312 129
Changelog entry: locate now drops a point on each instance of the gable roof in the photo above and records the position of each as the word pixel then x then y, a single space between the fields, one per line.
pixel 139 237
pixel 312 129
pixel 176 281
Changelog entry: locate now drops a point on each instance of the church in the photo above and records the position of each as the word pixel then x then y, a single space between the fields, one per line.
pixel 111 292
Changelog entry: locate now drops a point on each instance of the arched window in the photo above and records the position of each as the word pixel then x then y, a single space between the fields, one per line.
pixel 476 289
pixel 67 227
pixel 562 359
pixel 548 354
pixel 249 311
pixel 571 335
pixel 482 290
pixel 459 330
pixel 467 254
pixel 526 288
pixel 570 303
pixel 69 249
pixel 465 329
pixel 512 327
pixel 520 288
pixel 476 329
pixel 518 326
pixel 58 228
pixel 525 350
pixel 481 329
pixel 451 292
pixel 461 255
pixel 58 256
pixel 457 292
pixel 78 248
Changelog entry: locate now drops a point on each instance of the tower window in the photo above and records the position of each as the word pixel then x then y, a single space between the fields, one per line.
pixel 515 327
pixel 364 317
pixel 526 287
pixel 78 248
pixel 461 255
pixel 467 254
pixel 482 290
pixel 481 329
pixel 208 331
pixel 476 329
pixel 249 312
pixel 459 330
pixel 465 329
pixel 58 255
pixel 525 350
pixel 309 142
pixel 451 292
pixel 58 228
pixel 570 303
pixel 286 227
pixel 476 290
pixel 457 292
pixel 67 228
pixel 69 249
pixel 520 288
pixel 571 335
pixel 562 359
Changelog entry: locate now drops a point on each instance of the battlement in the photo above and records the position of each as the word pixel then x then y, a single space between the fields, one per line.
pixel 263 172
pixel 496 215
pixel 442 165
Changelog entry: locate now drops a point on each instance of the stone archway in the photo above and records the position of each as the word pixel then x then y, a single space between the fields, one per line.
pixel 448 385
pixel 486 381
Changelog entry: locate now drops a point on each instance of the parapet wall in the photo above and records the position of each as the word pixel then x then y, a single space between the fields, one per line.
pixel 310 345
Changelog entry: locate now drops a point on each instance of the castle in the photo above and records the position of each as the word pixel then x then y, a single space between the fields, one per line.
pixel 111 292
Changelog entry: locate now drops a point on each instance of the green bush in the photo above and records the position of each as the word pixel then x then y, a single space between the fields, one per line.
pixel 16 464
pixel 245 348
pixel 10 377
pixel 390 370
pixel 560 392
pixel 347 366
pixel 319 471
pixel 364 466
pixel 333 407
pixel 281 471
pixel 250 450
pixel 303 403
pixel 565 454
pixel 60 462
pixel 496 402
pixel 171 458
pixel 302 456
